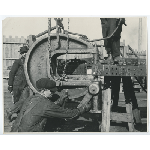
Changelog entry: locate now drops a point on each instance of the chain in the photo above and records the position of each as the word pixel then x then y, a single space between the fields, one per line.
pixel 67 47
pixel 49 42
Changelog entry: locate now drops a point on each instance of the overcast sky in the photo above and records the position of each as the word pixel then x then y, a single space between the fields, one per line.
pixel 87 26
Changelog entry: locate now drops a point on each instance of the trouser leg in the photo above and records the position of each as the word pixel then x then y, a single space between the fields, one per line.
pixel 18 105
pixel 16 94
pixel 115 46
pixel 107 82
pixel 129 92
pixel 115 40
pixel 107 42
pixel 115 85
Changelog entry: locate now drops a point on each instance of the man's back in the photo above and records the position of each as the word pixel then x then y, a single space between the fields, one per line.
pixel 31 113
pixel 35 111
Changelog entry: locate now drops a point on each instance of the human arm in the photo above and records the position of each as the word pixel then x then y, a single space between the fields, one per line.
pixel 61 101
pixel 63 96
pixel 54 110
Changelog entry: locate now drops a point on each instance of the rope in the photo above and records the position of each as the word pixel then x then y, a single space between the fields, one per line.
pixel 108 37
pixel 67 47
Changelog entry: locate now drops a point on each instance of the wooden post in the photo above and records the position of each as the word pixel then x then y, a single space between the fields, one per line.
pixel 129 110
pixel 95 103
pixel 136 115
pixel 106 100
pixel 31 39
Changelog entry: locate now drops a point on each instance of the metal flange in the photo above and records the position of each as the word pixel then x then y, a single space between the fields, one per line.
pixel 94 88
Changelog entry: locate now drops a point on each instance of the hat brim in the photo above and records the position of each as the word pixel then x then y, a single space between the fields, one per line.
pixel 53 89
pixel 22 52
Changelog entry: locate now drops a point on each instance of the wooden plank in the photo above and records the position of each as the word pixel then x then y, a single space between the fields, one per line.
pixel 123 117
pixel 10 39
pixel 22 39
pixel 9 58
pixel 95 103
pixel 136 115
pixel 106 100
pixel 11 53
pixel 75 83
pixel 13 42
pixel 75 51
pixel 129 110
pixel 5 73
pixel 31 40
pixel 7 54
pixel 4 38
pixel 4 61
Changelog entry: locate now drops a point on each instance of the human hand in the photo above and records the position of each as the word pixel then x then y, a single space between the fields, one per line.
pixel 10 89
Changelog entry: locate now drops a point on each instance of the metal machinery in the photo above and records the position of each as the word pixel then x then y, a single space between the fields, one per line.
pixel 41 62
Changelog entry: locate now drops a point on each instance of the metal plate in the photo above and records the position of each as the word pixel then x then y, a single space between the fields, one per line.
pixel 37 59
pixel 117 70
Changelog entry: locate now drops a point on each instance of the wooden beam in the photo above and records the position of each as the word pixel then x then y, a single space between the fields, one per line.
pixel 31 39
pixel 75 51
pixel 74 83
pixel 129 110
pixel 136 115
pixel 123 117
pixel 106 98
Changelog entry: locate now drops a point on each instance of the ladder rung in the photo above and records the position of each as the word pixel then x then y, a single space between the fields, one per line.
pixel 123 117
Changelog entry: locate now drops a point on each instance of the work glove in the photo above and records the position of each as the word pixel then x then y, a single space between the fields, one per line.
pixel 85 107
pixel 10 89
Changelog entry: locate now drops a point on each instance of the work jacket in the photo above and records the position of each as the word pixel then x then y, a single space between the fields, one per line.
pixel 16 75
pixel 35 111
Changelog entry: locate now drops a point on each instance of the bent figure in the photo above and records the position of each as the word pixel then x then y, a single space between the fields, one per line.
pixel 38 108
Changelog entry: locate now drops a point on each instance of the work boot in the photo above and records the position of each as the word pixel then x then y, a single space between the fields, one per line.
pixel 136 115
pixel 108 60
pixel 139 127
pixel 117 59
pixel 109 57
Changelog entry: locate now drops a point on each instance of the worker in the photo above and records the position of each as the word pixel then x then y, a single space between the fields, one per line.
pixel 12 112
pixel 112 27
pixel 112 46
pixel 17 84
pixel 38 108
pixel 128 91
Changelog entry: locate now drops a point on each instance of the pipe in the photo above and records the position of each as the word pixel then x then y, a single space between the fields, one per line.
pixel 46 31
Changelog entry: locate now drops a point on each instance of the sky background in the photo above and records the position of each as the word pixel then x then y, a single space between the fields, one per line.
pixel 90 26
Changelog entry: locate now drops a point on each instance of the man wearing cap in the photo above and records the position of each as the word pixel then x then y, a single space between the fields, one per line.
pixel 17 82
pixel 38 108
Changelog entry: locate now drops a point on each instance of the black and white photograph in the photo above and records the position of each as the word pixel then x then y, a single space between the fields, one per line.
pixel 75 74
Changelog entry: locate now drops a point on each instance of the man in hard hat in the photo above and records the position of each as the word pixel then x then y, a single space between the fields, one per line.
pixel 17 84
pixel 38 108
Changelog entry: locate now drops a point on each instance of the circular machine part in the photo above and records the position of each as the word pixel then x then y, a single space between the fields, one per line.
pixel 37 59
pixel 94 89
